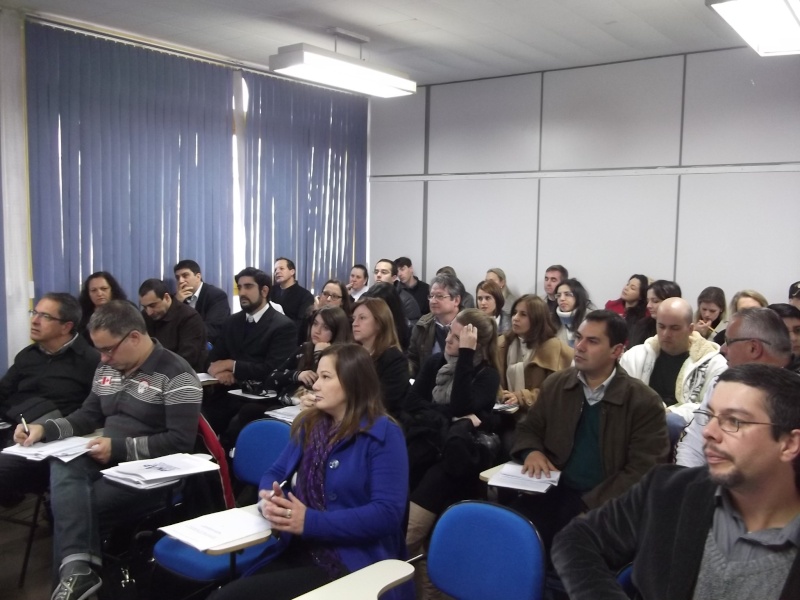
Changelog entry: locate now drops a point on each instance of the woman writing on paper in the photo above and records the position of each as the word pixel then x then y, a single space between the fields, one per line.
pixel 344 506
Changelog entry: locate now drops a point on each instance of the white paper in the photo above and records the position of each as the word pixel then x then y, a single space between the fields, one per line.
pixel 287 414
pixel 162 468
pixel 205 377
pixel 511 476
pixel 216 529
pixel 65 449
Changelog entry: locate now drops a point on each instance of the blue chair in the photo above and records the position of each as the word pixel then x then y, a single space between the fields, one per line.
pixel 258 446
pixel 625 581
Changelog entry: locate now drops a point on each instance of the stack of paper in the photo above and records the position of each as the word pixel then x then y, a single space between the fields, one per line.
pixel 65 449
pixel 216 529
pixel 156 472
pixel 509 408
pixel 511 476
pixel 287 414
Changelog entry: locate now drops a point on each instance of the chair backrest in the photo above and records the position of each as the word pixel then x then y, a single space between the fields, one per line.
pixel 625 580
pixel 483 551
pixel 207 441
pixel 258 446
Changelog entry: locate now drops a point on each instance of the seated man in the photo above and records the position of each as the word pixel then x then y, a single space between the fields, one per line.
pixel 254 343
pixel 411 283
pixel 386 271
pixel 51 377
pixel 429 333
pixel 677 362
pixel 147 399
pixel 177 326
pixel 600 427
pixel 208 300
pixel 726 531
pixel 295 300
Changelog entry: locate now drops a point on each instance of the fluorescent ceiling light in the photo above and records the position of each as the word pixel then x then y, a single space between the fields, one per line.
pixel 335 70
pixel 771 27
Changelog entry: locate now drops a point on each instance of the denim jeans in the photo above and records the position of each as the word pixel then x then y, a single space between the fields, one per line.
pixel 86 507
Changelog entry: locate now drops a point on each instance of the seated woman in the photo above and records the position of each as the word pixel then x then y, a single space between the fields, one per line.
pixel 657 292
pixel 740 301
pixel 460 386
pixel 348 468
pixel 388 293
pixel 490 301
pixel 334 293
pixel 98 289
pixel 373 328
pixel 532 352
pixel 632 304
pixel 497 275
pixel 710 317
pixel 573 306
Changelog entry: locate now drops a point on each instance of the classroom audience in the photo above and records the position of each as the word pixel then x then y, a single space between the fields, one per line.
pixel 657 292
pixel 429 333
pixel 98 289
pixel 741 300
pixel 412 284
pixel 573 306
pixel 711 316
pixel 386 271
pixel 553 276
pixel 208 300
pixel 490 300
pixel 497 275
pixel 632 303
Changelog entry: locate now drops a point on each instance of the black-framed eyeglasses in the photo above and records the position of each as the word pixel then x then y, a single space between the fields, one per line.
pixel 330 296
pixel 731 341
pixel 111 349
pixel 44 316
pixel 726 422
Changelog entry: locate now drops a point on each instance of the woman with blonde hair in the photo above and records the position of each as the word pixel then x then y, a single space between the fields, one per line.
pixel 741 300
pixel 374 328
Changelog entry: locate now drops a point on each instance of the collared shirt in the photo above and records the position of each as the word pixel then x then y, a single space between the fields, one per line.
pixel 593 396
pixel 256 316
pixel 60 350
pixel 737 544
pixel 193 298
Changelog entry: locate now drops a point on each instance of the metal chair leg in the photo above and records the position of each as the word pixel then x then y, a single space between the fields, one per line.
pixel 33 525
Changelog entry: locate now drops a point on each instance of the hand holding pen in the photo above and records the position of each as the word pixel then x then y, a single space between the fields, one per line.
pixel 27 435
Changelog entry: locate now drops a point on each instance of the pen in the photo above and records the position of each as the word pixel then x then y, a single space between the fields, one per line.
pixel 283 483
pixel 24 424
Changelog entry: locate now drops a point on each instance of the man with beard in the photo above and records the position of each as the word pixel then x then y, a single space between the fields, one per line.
pixel 728 530
pixel 254 342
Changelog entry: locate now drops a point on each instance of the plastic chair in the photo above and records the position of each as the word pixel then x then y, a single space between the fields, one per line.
pixel 625 581
pixel 257 448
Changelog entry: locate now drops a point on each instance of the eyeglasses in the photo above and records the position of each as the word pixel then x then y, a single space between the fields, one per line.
pixel 44 316
pixel 110 350
pixel 726 423
pixel 439 297
pixel 330 296
pixel 731 341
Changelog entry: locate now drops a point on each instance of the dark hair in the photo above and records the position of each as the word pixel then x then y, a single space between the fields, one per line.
pixel 363 269
pixel 780 390
pixel 765 324
pixel 87 306
pixel 346 304
pixel 158 287
pixel 118 317
pixel 187 264
pixel 616 327
pixel 664 289
pixel 639 310
pixel 582 303
pixel 491 288
pixel 561 269
pixel 785 311
pixel 486 328
pixel 356 372
pixel 403 261
pixel 446 270
pixel 383 290
pixel 391 262
pixel 261 278
pixel 713 295
pixel 339 325
pixel 542 327
pixel 69 309
pixel 289 263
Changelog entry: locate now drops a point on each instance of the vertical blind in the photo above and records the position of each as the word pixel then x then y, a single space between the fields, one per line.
pixel 3 325
pixel 130 161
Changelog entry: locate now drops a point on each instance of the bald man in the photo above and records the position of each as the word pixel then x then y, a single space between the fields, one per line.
pixel 678 363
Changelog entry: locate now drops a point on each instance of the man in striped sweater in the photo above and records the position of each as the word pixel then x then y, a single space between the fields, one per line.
pixel 147 400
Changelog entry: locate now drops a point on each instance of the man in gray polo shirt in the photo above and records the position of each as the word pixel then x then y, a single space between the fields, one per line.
pixel 147 399
pixel 729 530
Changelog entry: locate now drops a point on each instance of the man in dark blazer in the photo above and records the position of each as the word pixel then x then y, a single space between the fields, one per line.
pixel 253 343
pixel 208 300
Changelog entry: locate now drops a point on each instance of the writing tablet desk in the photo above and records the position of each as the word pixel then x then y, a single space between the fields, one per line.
pixel 365 584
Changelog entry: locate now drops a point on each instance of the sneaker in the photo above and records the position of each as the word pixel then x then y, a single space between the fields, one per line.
pixel 78 586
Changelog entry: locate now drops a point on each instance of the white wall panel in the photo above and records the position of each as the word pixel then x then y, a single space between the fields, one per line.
pixel 476 225
pixel 741 108
pixel 737 231
pixel 395 223
pixel 397 135
pixel 621 115
pixel 488 125
pixel 605 229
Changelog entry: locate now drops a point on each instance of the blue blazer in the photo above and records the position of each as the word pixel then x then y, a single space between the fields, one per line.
pixel 366 491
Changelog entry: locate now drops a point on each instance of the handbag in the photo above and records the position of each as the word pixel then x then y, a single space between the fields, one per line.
pixel 467 451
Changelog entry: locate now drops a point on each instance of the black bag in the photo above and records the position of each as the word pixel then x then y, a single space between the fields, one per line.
pixel 468 451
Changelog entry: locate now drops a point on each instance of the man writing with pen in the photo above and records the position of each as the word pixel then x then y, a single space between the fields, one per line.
pixel 147 400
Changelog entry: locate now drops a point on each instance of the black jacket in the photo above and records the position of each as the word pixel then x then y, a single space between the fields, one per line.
pixel 213 306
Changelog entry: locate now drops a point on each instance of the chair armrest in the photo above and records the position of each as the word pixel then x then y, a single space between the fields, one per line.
pixel 365 584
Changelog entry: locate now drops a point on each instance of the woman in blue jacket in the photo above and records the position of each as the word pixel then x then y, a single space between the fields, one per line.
pixel 345 504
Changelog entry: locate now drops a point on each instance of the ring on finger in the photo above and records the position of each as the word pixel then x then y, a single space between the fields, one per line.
pixel 288 513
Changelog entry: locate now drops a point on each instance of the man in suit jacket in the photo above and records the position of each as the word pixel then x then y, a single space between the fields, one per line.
pixel 208 300
pixel 254 342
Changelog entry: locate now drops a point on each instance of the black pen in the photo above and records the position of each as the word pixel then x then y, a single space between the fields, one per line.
pixel 24 425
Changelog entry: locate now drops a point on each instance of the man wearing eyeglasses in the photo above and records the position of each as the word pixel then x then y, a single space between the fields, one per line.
pixel 729 530
pixel 429 333
pixel 753 336
pixel 147 400
pixel 51 377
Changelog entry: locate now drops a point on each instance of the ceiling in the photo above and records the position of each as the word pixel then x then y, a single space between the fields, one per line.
pixel 434 41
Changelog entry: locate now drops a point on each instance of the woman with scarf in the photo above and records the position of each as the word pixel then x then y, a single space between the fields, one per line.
pixel 343 505
pixel 573 306
pixel 460 385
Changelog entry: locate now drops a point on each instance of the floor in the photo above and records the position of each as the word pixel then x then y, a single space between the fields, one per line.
pixel 12 548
